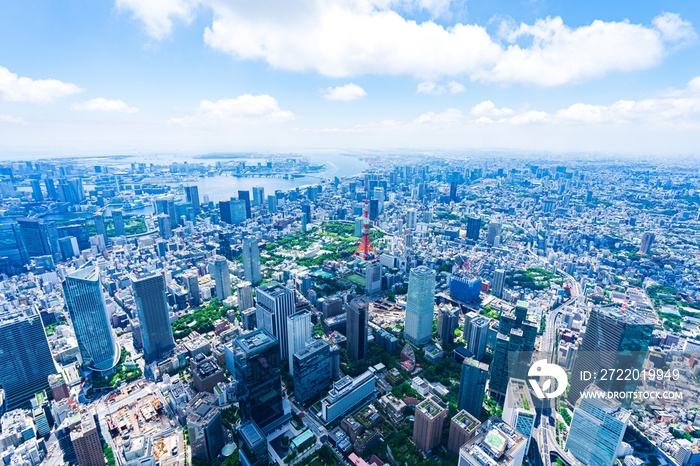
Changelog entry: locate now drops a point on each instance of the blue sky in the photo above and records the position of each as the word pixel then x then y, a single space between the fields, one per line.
pixel 191 76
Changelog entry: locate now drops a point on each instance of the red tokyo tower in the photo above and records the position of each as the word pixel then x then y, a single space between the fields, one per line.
pixel 365 249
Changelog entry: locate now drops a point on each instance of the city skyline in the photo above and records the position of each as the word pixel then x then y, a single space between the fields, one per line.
pixel 193 77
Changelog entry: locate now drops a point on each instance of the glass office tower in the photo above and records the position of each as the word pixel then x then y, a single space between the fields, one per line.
pixel 86 305
pixel 154 316
pixel 25 357
pixel 420 303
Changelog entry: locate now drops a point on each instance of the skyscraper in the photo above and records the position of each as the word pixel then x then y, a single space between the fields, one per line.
pixel 166 205
pixel 205 428
pixel 99 220
pixel 299 330
pixel 462 428
pixel 245 196
pixel 164 229
pixel 473 228
pixel 312 370
pixel 419 305
pixel 244 291
pixel 37 195
pixel 218 269
pixel 448 320
pixel 357 329
pixel 258 196
pixel 192 281
pixel 86 442
pixel 154 315
pixel 257 370
pixel 518 408
pixel 25 357
pixel 225 211
pixel 494 231
pixel 40 238
pixel 647 241
pixel 192 195
pixel 499 278
pixel 373 279
pixel 476 332
pixel 597 428
pixel 472 386
pixel 251 260
pixel 85 302
pixel 616 338
pixel 118 221
pixel 13 254
pixel 275 304
pixel 428 423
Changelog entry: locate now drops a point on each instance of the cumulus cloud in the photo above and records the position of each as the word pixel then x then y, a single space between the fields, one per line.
pixel 37 91
pixel 322 36
pixel 488 109
pixel 429 87
pixel 244 109
pixel 104 105
pixel 12 119
pixel 158 15
pixel 345 93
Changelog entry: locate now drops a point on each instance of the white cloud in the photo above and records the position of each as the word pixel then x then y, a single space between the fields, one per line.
pixel 321 36
pixel 244 109
pixel 12 119
pixel 488 109
pixel 429 87
pixel 448 116
pixel 158 15
pixel 37 91
pixel 675 30
pixel 345 93
pixel 456 87
pixel 104 105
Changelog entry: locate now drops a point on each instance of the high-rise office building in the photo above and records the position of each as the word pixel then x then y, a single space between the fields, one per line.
pixel 25 357
pixel 244 291
pixel 192 196
pixel 37 195
pixel 245 196
pixel 331 306
pixel 218 269
pixel 274 304
pixel 647 241
pixel 86 442
pixel 272 204
pixel 427 424
pixel 357 321
pixel 85 302
pixel 166 205
pixel 251 260
pixel 118 222
pixel 299 330
pixel 411 218
pixel 597 428
pixel 258 196
pixel 473 228
pixel 40 238
pixel 225 211
pixel 448 320
pixel 499 278
pixel 463 426
pixel 494 231
pixel 153 314
pixel 192 282
pixel 518 408
pixel 51 188
pixel 204 426
pixel 254 445
pixel 472 386
pixel 100 227
pixel 312 370
pixel 476 332
pixel 373 279
pixel 616 338
pixel 420 303
pixel 257 370
pixel 13 253
pixel 164 226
